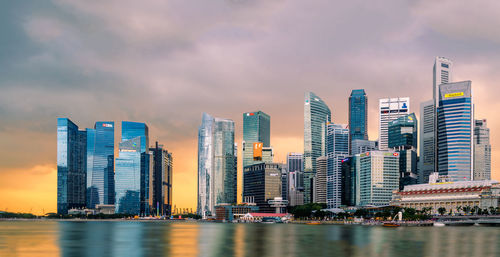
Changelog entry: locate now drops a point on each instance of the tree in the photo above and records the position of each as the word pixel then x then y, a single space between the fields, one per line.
pixel 459 208
pixel 361 213
pixel 466 209
pixel 441 210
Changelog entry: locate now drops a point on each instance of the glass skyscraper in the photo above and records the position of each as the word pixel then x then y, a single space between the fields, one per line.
pixel 136 129
pixel 256 129
pixel 100 164
pixel 71 166
pixel 455 131
pixel 216 164
pixel 427 141
pixel 337 149
pixel 389 110
pixel 403 139
pixel 316 116
pixel 161 181
pixel 358 116
pixel 128 177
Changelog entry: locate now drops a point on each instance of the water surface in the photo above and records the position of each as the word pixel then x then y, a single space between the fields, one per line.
pixel 133 238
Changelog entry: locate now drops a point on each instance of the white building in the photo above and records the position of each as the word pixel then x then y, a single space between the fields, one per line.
pixel 482 151
pixel 389 110
pixel 379 177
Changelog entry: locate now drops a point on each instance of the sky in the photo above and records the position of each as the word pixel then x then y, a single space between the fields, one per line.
pixel 166 62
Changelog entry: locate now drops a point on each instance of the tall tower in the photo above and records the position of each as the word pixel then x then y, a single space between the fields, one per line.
pixel 427 141
pixel 455 130
pixel 216 164
pixel 389 110
pixel 482 151
pixel 256 129
pixel 337 147
pixel 358 116
pixel 316 116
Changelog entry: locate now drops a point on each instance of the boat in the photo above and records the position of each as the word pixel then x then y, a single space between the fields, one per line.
pixel 439 224
pixel 391 224
pixel 313 223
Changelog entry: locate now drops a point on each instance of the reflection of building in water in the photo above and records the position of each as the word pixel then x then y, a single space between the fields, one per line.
pixel 183 240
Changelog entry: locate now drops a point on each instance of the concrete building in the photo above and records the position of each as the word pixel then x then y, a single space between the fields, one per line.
pixel 359 146
pixel 389 110
pixel 319 194
pixel 262 182
pixel 379 177
pixel 482 151
pixel 427 141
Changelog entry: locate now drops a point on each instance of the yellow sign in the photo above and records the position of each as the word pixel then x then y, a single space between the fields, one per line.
pixel 454 94
pixel 257 151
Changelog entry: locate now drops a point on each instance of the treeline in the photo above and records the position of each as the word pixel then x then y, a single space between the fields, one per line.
pixel 12 215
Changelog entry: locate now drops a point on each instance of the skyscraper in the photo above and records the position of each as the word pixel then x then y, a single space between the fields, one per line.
pixel 337 149
pixel 319 195
pixel 455 130
pixel 358 116
pixel 482 151
pixel 389 110
pixel 132 130
pixel 295 168
pixel 403 140
pixel 100 164
pixel 128 177
pixel 71 166
pixel 379 176
pixel 256 129
pixel 161 181
pixel 427 141
pixel 316 115
pixel 358 146
pixel 216 164
pixel 262 183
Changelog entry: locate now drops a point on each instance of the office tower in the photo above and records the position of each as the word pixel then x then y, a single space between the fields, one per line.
pixel 319 194
pixel 455 131
pixel 482 151
pixel 216 164
pixel 337 149
pixel 441 72
pixel 403 140
pixel 128 177
pixel 132 130
pixel 71 166
pixel 262 183
pixel 358 146
pixel 284 183
pixel 256 129
pixel 379 176
pixel 161 181
pixel 100 164
pixel 390 109
pixel 295 167
pixel 316 115
pixel 358 116
pixel 267 155
pixel 349 182
pixel 427 141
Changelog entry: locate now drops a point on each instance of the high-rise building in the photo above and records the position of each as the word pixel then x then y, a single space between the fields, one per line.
pixel 100 164
pixel 216 164
pixel 455 131
pixel 71 166
pixel 350 182
pixel 316 115
pixel 132 130
pixel 319 193
pixel 262 183
pixel 161 181
pixel 295 168
pixel 389 110
pixel 482 151
pixel 358 146
pixel 358 116
pixel 379 177
pixel 337 149
pixel 128 177
pixel 403 140
pixel 427 141
pixel 256 136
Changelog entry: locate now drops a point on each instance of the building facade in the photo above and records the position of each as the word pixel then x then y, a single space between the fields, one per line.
pixel 403 140
pixel 482 151
pixel 161 181
pixel 455 131
pixel 379 177
pixel 350 182
pixel 71 166
pixel 129 182
pixel 216 164
pixel 358 116
pixel 100 164
pixel 316 115
pixel 389 110
pixel 256 129
pixel 427 141
pixel 337 149
pixel 262 182
pixel 359 146
pixel 319 193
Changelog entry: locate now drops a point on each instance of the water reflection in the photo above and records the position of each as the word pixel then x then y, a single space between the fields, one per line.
pixel 122 238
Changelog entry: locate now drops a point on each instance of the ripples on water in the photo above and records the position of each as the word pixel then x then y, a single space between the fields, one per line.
pixel 132 238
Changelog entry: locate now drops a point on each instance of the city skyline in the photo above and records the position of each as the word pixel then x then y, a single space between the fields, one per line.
pixel 221 68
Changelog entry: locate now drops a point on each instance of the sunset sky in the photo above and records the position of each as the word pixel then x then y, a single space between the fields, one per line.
pixel 166 62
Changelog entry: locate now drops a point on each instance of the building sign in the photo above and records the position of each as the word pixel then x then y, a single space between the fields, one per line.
pixel 107 125
pixel 454 94
pixel 257 151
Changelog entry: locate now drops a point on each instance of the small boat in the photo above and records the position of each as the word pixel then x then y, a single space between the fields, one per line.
pixel 391 224
pixel 439 224
pixel 313 223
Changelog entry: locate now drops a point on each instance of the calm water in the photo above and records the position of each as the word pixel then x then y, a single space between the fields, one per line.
pixel 122 238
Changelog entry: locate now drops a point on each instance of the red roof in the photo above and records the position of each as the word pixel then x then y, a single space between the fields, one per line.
pixel 259 214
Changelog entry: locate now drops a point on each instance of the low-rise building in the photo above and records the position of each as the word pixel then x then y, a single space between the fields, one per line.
pixel 453 196
pixel 256 216
pixel 229 213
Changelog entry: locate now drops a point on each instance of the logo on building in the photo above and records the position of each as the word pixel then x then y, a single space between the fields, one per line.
pixel 107 125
